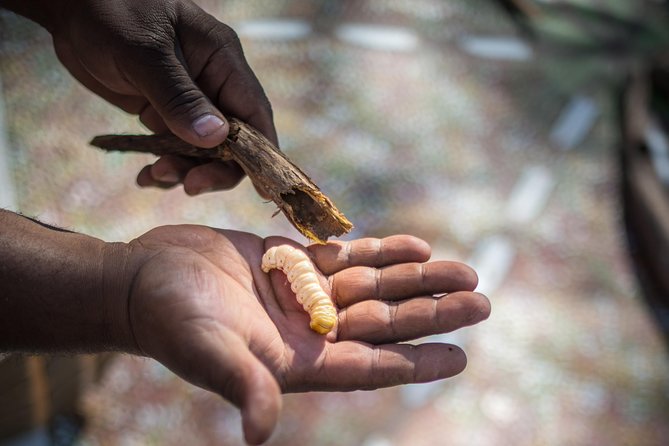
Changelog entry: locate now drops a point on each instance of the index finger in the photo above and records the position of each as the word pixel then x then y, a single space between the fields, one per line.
pixel 374 252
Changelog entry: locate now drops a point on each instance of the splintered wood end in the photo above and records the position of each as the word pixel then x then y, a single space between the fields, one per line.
pixel 314 214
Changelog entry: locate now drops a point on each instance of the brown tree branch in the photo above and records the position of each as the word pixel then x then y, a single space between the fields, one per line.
pixel 306 207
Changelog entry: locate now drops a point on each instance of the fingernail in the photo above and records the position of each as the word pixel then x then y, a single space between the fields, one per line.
pixel 168 177
pixel 207 124
pixel 204 190
pixel 190 190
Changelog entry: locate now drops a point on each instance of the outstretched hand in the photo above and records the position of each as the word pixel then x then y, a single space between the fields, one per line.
pixel 201 305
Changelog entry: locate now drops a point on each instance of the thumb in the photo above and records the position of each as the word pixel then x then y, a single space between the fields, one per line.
pixel 184 108
pixel 246 382
pixel 260 404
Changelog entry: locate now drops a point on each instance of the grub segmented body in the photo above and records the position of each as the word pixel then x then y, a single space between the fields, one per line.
pixel 304 282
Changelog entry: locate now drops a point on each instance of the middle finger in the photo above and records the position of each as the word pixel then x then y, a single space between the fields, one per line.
pixel 401 281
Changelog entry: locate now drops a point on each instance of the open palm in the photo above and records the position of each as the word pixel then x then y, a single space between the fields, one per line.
pixel 201 305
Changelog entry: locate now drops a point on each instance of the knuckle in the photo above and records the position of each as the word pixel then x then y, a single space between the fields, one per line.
pixel 181 100
pixel 215 32
pixel 227 36
pixel 151 41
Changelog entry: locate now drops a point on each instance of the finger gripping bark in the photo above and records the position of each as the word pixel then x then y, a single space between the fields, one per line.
pixel 309 210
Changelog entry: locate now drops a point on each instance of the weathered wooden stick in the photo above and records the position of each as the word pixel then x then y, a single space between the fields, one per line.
pixel 306 207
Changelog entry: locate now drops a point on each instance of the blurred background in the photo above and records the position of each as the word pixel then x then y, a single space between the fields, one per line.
pixel 524 137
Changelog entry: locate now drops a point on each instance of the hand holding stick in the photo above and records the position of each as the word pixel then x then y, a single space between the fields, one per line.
pixel 309 210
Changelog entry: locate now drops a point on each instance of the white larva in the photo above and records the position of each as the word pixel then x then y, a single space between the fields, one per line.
pixel 304 282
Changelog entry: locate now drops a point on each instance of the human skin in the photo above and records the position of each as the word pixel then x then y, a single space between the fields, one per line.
pixel 196 299
pixel 169 62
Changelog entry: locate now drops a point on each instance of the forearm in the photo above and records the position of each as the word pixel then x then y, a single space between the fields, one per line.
pixel 61 291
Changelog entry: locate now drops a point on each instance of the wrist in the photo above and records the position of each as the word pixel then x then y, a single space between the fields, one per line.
pixel 62 291
pixel 116 279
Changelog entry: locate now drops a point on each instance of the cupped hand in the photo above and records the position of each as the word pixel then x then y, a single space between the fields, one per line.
pixel 175 66
pixel 201 305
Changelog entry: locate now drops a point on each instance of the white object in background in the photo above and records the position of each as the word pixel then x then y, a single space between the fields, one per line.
pixel 499 407
pixel 530 195
pixel 496 47
pixel 7 191
pixel 377 37
pixel 274 30
pixel 492 260
pixel 575 121
pixel 376 440
pixel 658 149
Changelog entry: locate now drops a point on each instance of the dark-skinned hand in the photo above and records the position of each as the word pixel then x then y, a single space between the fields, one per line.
pixel 201 305
pixel 168 61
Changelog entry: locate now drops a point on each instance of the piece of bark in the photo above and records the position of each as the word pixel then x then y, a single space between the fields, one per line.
pixel 306 207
